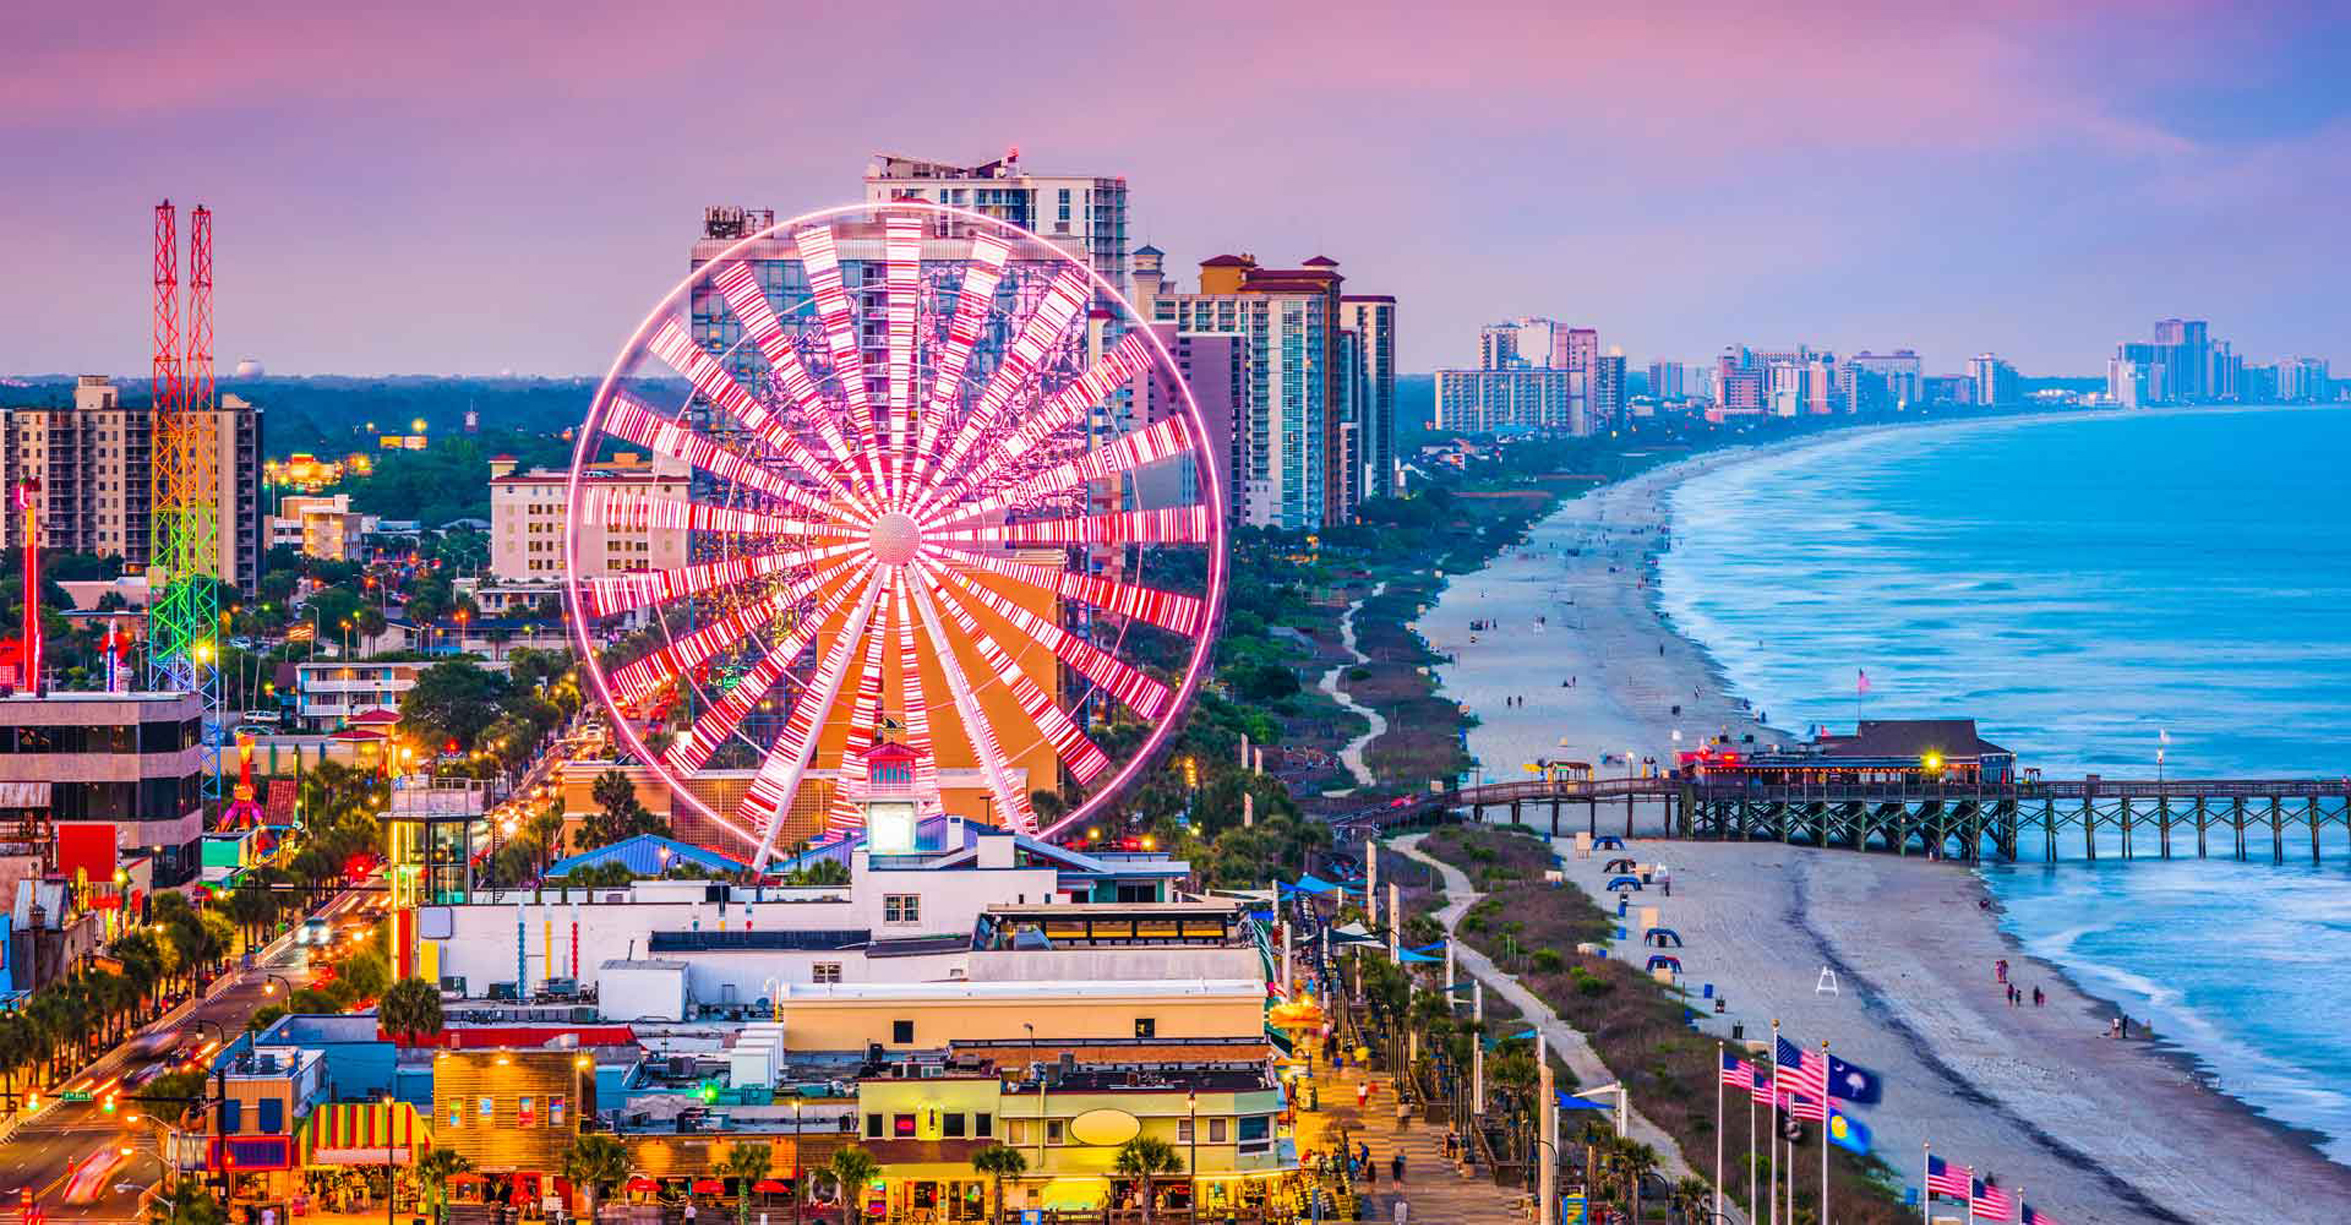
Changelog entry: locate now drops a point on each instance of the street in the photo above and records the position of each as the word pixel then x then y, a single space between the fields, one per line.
pixel 40 1155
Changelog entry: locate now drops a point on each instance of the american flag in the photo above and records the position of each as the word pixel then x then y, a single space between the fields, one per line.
pixel 2034 1216
pixel 1861 685
pixel 1801 1107
pixel 1943 1178
pixel 1990 1203
pixel 1805 1071
pixel 1737 1073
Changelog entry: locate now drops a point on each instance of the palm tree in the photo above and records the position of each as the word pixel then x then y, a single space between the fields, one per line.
pixel 593 1162
pixel 1147 1157
pixel 410 1010
pixel 433 1172
pixel 1638 1161
pixel 851 1168
pixel 999 1162
pixel 746 1163
pixel 1693 1198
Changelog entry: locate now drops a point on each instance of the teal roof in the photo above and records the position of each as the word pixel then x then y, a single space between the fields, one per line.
pixel 642 855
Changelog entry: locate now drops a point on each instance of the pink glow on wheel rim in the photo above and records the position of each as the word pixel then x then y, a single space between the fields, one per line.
pixel 903 513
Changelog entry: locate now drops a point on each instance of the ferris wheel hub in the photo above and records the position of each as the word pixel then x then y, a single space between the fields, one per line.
pixel 896 538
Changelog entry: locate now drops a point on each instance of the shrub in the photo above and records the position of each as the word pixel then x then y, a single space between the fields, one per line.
pixel 1547 961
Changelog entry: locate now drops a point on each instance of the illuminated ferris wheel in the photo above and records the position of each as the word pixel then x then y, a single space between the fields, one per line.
pixel 939 488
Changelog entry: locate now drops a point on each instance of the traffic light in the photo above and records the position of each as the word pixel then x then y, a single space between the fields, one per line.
pixel 709 1092
pixel 108 1105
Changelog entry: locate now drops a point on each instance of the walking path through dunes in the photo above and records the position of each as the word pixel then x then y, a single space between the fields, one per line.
pixel 1352 755
pixel 2092 1129
pixel 1562 1038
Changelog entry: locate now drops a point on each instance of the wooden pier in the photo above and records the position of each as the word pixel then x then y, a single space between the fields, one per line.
pixel 2035 819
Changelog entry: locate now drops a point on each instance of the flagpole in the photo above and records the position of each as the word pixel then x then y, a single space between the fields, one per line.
pixel 1773 1185
pixel 1971 1195
pixel 1827 1108
pixel 1720 1053
pixel 1752 1202
pixel 1926 1190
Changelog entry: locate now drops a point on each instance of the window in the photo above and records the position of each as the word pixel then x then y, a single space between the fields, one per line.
pixel 1184 1131
pixel 827 972
pixel 232 1117
pixel 1216 1131
pixel 983 1125
pixel 902 1126
pixel 1146 1027
pixel 271 1115
pixel 873 1126
pixel 901 1031
pixel 1052 1131
pixel 951 1126
pixel 902 908
pixel 456 1114
pixel 1256 1133
pixel 555 1112
pixel 489 1108
pixel 526 1112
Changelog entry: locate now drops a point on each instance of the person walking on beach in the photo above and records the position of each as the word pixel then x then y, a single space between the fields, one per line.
pixel 2000 969
pixel 2037 996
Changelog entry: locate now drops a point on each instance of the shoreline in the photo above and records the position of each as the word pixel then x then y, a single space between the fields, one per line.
pixel 1592 559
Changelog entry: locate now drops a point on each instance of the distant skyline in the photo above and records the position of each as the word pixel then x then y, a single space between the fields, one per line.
pixel 436 188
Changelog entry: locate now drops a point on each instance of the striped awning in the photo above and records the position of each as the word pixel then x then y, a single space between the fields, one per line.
pixel 362 1133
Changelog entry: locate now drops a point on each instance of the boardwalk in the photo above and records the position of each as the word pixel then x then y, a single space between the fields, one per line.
pixel 1437 1192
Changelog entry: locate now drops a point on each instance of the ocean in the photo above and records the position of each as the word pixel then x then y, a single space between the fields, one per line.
pixel 2094 591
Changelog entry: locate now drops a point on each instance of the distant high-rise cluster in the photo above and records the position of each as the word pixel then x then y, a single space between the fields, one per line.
pixel 1536 374
pixel 1805 381
pixel 2183 364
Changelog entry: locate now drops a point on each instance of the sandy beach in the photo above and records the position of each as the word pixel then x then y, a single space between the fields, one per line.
pixel 2093 1129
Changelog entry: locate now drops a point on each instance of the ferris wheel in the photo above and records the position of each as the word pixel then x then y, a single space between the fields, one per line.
pixel 939 488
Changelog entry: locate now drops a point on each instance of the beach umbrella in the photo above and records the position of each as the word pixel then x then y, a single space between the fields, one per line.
pixel 641 1183
pixel 770 1185
pixel 709 1186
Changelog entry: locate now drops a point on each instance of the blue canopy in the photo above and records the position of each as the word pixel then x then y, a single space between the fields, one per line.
pixel 1431 947
pixel 1569 1101
pixel 1310 883
pixel 1609 842
pixel 1625 882
pixel 1419 958
pixel 644 856
pixel 1671 963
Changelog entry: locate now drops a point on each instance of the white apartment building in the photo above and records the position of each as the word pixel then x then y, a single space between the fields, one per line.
pixel 529 522
pixel 321 526
pixel 327 692
pixel 1085 214
pixel 1372 318
pixel 1527 397
pixel 95 466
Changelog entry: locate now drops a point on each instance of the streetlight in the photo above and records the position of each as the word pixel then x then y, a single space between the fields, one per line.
pixel 1192 1112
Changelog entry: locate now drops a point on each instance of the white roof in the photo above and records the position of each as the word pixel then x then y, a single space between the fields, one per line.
pixel 1017 990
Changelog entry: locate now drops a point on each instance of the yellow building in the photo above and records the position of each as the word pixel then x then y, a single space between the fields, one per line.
pixel 927 1016
pixel 924 1122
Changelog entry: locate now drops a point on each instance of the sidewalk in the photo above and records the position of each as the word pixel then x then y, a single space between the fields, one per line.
pixel 1439 1194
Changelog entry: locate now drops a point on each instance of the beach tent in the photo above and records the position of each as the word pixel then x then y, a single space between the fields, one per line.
pixel 1354 933
pixel 1618 865
pixel 1662 937
pixel 1608 842
pixel 1311 883
pixel 1433 946
pixel 1625 882
pixel 1407 955
pixel 1657 960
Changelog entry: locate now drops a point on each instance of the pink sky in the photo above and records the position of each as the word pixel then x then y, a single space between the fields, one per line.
pixel 440 188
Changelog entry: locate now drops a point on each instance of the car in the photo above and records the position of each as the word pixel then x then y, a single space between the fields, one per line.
pixel 254 729
pixel 316 932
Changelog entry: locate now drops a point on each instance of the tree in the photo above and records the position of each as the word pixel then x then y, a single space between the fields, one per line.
pixel 411 1010
pixel 851 1169
pixel 433 1172
pixel 453 701
pixel 999 1162
pixel 188 1202
pixel 1147 1157
pixel 593 1162
pixel 746 1163
pixel 620 815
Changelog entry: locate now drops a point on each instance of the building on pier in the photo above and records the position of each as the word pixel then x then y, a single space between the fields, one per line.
pixel 1913 752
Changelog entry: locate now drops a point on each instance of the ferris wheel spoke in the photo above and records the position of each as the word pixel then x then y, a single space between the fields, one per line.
pixel 1070 743
pixel 823 263
pixel 769 798
pixel 631 420
pixel 637 510
pixel 693 750
pixel 973 300
pixel 1011 799
pixel 910 697
pixel 607 595
pixel 865 715
pixel 1156 444
pixel 1163 525
pixel 1134 688
pixel 1064 408
pixel 901 278
pixel 1169 610
pixel 739 285
pixel 1018 370
pixel 649 674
